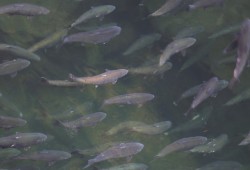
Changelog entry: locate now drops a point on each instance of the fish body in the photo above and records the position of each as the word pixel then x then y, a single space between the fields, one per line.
pixel 205 4
pixel 127 125
pixel 166 7
pixel 20 140
pixel 60 83
pixel 118 151
pixel 50 40
pixel 11 67
pixel 19 52
pixel 142 42
pixel 182 144
pixel 225 31
pixel 23 9
pixel 221 165
pixel 100 35
pixel 132 98
pixel 11 122
pixel 85 121
pixel 246 141
pixel 128 166
pixel 151 69
pixel 243 50
pixel 8 153
pixel 212 146
pixel 175 47
pixel 45 155
pixel 189 32
pixel 153 129
pixel 110 76
pixel 239 98
pixel 94 12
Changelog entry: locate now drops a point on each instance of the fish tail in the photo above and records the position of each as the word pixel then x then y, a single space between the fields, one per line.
pixel 188 111
pixel 90 162
pixel 72 77
pixel 44 80
pixel 232 83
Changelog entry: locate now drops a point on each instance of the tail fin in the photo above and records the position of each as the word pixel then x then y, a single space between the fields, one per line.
pixel 44 80
pixel 188 111
pixel 232 83
pixel 72 77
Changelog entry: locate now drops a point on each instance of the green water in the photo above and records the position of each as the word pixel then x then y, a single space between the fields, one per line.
pixel 40 104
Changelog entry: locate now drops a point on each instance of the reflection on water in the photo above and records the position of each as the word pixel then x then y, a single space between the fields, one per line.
pixel 41 105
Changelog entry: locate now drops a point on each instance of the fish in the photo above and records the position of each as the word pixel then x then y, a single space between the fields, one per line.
pixel 212 146
pixel 45 155
pixel 243 49
pixel 8 153
pixel 246 141
pixel 182 144
pixel 94 12
pixel 142 42
pixel 153 69
pixel 21 140
pixel 118 151
pixel 208 89
pixel 109 76
pixel 97 36
pixel 189 32
pixel 193 124
pixel 127 125
pixel 220 165
pixel 50 40
pixel 13 66
pixel 131 98
pixel 128 166
pixel 205 4
pixel 84 121
pixel 225 31
pixel 19 52
pixel 8 122
pixel 25 9
pixel 168 6
pixel 175 47
pixel 60 83
pixel 245 95
pixel 153 129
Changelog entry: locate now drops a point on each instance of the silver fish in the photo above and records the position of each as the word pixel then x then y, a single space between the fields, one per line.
pixel 94 12
pixel 18 52
pixel 110 76
pixel 20 140
pixel 8 153
pixel 100 35
pixel 151 69
pixel 212 146
pixel 119 151
pixel 23 9
pixel 225 31
pixel 45 155
pixel 175 47
pixel 166 7
pixel 189 32
pixel 246 141
pixel 205 4
pixel 142 42
pixel 221 165
pixel 60 83
pixel 208 89
pixel 153 129
pixel 11 122
pixel 85 121
pixel 132 98
pixel 11 67
pixel 182 144
pixel 243 50
pixel 128 166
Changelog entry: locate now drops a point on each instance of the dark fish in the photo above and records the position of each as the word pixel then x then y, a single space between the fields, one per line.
pixel 11 122
pixel 11 67
pixel 23 9
pixel 118 151
pixel 85 121
pixel 101 35
pixel 208 89
pixel 182 144
pixel 45 155
pixel 153 69
pixel 20 140
pixel 153 129
pixel 110 76
pixel 132 98
pixel 60 83
pixel 222 165
pixel 205 4
pixel 8 153
pixel 189 32
pixel 19 52
pixel 128 166
pixel 243 50
pixel 245 95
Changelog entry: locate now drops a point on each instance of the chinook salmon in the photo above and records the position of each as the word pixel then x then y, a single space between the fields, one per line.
pixel 13 66
pixel 245 141
pixel 128 166
pixel 153 69
pixel 153 129
pixel 205 4
pixel 60 83
pixel 118 151
pixel 23 9
pixel 110 76
pixel 11 122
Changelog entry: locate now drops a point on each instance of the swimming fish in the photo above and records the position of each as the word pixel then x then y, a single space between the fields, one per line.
pixel 13 66
pixel 7 122
pixel 205 4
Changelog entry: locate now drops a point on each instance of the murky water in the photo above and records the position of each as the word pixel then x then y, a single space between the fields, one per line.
pixel 40 104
